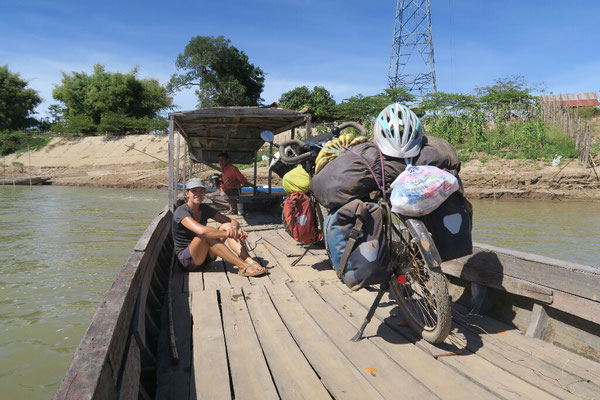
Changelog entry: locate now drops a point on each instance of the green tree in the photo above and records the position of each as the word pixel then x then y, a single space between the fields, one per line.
pixel 319 101
pixel 365 109
pixel 510 90
pixel 108 102
pixel 16 101
pixel 223 74
pixel 440 101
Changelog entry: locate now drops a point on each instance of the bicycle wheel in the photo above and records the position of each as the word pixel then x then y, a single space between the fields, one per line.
pixel 423 298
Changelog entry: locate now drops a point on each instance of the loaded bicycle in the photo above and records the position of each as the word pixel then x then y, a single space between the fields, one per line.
pixel 415 279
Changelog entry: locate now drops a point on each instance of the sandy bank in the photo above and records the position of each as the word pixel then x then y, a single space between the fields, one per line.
pixel 133 162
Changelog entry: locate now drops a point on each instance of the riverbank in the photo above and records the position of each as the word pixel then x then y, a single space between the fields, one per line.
pixel 141 162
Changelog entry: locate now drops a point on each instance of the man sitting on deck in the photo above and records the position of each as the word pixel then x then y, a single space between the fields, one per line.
pixel 197 245
pixel 233 180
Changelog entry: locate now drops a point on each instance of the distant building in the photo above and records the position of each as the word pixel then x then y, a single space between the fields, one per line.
pixel 573 100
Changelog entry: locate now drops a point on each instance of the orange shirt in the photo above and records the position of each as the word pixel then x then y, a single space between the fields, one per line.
pixel 232 177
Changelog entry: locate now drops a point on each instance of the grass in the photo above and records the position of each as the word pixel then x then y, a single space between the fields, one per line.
pixel 19 142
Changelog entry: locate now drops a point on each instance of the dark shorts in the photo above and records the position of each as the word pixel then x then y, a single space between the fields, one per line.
pixel 186 261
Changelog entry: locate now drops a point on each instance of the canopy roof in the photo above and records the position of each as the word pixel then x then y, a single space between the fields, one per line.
pixel 235 130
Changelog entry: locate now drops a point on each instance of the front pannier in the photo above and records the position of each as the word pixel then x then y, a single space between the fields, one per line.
pixel 357 246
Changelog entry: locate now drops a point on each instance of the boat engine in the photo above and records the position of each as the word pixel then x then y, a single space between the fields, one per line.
pixel 216 180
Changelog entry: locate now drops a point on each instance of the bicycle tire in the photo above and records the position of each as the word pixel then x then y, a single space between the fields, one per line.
pixel 423 299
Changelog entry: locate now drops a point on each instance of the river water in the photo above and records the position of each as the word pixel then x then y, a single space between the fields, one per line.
pixel 61 247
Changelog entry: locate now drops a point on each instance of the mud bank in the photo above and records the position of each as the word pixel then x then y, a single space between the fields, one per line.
pixel 140 162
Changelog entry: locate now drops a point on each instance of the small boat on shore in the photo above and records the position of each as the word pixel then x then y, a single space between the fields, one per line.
pixel 32 180
pixel 524 326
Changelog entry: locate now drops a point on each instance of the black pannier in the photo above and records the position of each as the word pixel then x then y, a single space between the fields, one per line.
pixel 450 226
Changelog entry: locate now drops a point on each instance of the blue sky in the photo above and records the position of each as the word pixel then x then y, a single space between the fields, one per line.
pixel 344 46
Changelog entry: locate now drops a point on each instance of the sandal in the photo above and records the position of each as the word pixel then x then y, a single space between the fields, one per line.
pixel 230 212
pixel 243 271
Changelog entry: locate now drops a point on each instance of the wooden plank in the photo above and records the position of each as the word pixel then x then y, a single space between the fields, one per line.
pixel 249 371
pixel 195 281
pixel 286 247
pixel 500 382
pixel 497 280
pixel 571 363
pixel 339 376
pixel 235 280
pixel 302 273
pixel 108 332
pixel 362 354
pixel 575 305
pixel 313 268
pixel 174 381
pixel 214 276
pixel 276 272
pixel 538 322
pixel 180 280
pixel 293 375
pixel 528 367
pixel 130 383
pixel 577 279
pixel 210 373
pixel 440 379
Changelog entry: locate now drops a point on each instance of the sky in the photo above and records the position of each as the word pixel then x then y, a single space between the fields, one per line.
pixel 342 45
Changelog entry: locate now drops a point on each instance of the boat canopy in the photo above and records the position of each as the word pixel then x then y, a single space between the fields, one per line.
pixel 235 130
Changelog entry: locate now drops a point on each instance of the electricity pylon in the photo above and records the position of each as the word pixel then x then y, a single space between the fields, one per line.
pixel 412 65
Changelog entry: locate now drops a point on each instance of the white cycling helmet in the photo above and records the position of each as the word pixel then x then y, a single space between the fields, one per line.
pixel 398 132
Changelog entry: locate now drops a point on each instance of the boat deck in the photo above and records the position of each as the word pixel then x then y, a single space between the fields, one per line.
pixel 286 335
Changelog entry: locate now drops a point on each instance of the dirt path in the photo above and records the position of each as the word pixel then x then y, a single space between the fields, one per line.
pixel 133 162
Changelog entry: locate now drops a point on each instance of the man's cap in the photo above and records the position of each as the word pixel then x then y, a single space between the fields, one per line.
pixel 194 183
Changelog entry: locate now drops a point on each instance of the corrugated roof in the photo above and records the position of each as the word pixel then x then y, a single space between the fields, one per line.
pixel 236 130
pixel 573 99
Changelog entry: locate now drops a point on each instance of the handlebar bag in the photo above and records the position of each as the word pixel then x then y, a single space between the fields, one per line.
pixel 299 219
pixel 356 244
pixel 297 180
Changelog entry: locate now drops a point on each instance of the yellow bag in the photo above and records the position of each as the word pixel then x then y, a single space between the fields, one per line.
pixel 296 180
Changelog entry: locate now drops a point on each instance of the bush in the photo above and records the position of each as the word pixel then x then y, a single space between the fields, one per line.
pixel 588 112
pixel 10 141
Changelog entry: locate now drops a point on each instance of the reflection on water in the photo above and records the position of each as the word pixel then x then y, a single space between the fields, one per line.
pixel 61 247
pixel 563 230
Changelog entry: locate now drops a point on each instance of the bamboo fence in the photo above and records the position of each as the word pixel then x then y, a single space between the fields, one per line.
pixel 576 127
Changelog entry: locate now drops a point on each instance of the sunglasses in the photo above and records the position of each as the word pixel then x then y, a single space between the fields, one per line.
pixel 197 190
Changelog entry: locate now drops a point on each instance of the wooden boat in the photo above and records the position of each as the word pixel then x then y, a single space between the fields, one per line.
pixel 33 180
pixel 161 333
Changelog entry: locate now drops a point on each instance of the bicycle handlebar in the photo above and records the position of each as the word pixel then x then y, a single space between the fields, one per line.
pixel 321 138
pixel 293 159
pixel 353 124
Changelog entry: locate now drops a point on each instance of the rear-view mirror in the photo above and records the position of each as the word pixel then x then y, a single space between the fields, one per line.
pixel 267 136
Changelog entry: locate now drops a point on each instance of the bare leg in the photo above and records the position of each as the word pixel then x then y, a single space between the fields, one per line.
pixel 239 248
pixel 200 248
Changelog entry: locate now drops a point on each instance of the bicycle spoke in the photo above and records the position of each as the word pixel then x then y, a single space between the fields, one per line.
pixel 427 317
pixel 422 298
